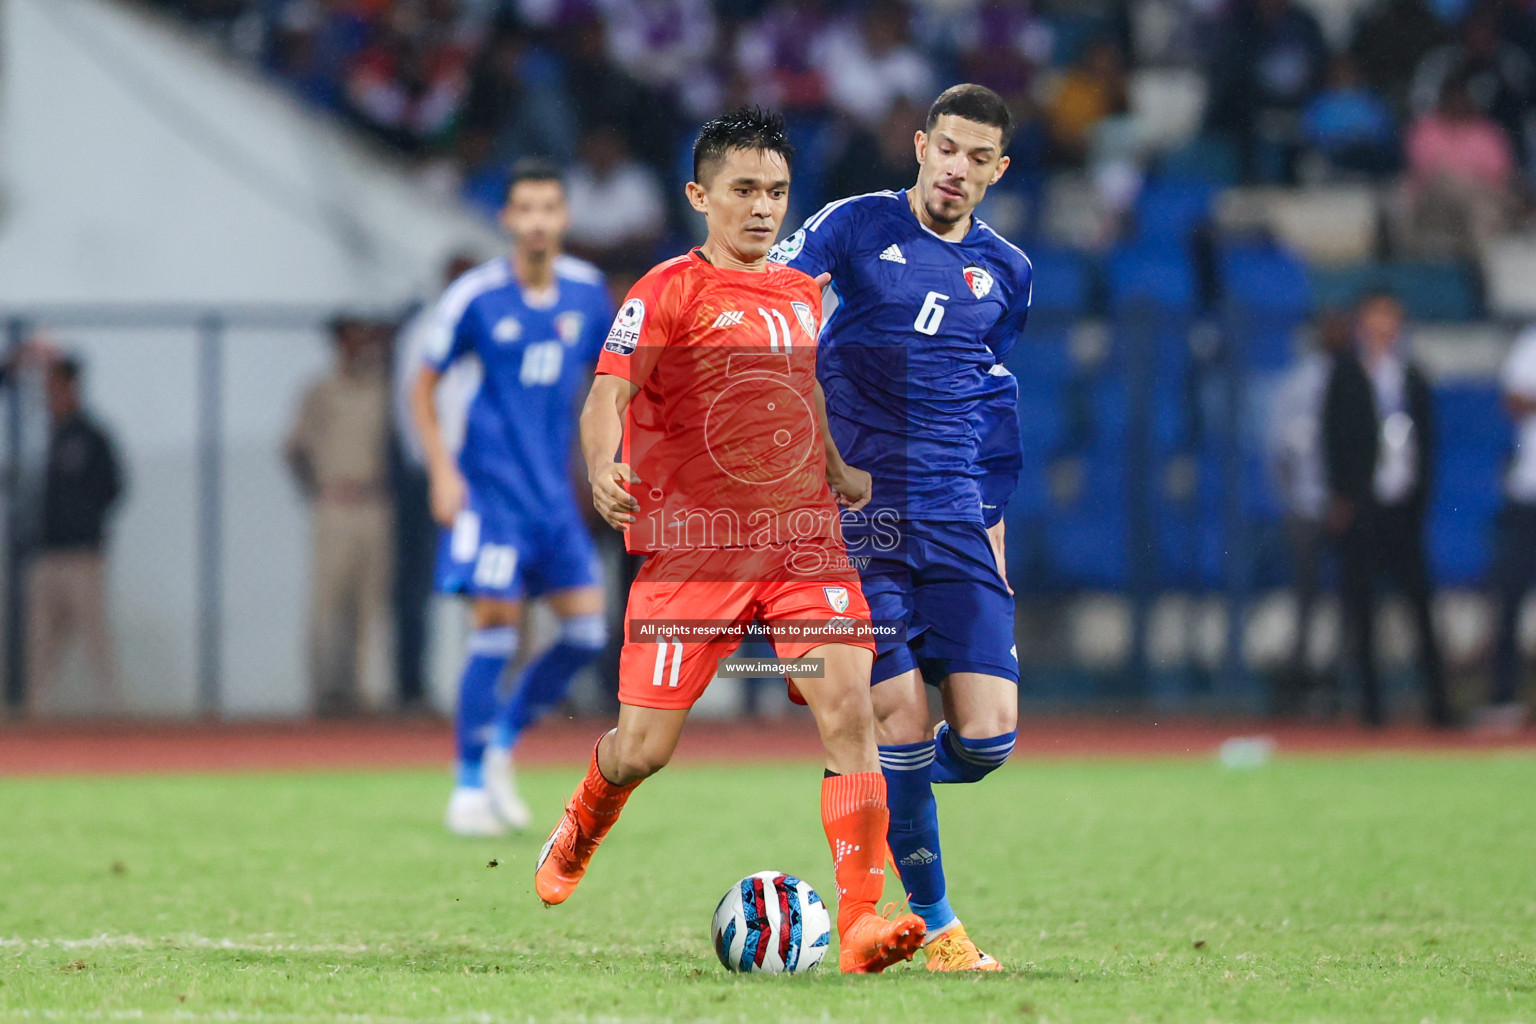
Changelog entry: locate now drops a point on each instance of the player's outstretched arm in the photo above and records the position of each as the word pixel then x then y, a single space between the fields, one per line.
pixel 853 487
pixel 448 490
pixel 602 428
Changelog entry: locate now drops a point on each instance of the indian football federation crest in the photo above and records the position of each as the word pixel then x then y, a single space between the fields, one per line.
pixel 507 330
pixel 788 248
pixel 568 327
pixel 837 597
pixel 979 279
pixel 624 335
pixel 806 318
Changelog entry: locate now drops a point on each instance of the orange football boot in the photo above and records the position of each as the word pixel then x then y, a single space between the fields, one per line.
pixel 874 942
pixel 954 951
pixel 565 856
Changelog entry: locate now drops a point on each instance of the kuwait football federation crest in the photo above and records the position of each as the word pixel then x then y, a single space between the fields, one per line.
pixel 979 280
pixel 837 597
pixel 807 321
pixel 624 335
pixel 568 327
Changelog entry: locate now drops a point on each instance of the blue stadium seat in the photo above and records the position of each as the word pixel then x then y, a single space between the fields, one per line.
pixel 1460 548
pixel 1041 364
pixel 1435 291
pixel 1267 297
pixel 1470 416
pixel 1042 422
pixel 1063 282
pixel 1429 291
pixel 1210 159
pixel 1167 212
pixel 1087 550
pixel 1468 483
pixel 1159 277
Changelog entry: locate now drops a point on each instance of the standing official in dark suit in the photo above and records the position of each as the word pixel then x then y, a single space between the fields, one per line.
pixel 1378 447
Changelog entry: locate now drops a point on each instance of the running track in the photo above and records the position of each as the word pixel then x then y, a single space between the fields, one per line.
pixel 140 747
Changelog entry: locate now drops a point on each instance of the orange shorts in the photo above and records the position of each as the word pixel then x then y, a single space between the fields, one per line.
pixel 668 672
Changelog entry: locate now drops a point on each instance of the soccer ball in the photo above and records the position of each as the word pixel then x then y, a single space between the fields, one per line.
pixel 771 922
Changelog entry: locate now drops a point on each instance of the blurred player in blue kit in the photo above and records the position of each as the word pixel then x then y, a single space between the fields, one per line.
pixel 534 321
pixel 929 300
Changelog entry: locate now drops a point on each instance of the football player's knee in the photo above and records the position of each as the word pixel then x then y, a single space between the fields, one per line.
pixel 958 759
pixel 584 632
pixel 490 614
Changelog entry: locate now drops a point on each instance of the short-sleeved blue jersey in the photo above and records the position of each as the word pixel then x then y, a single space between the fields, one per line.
pixel 906 355
pixel 535 352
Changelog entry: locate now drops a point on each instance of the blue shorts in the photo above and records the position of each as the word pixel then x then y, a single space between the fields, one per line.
pixel 494 555
pixel 941 580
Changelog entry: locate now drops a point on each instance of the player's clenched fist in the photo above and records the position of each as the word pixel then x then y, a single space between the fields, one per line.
pixel 853 487
pixel 613 502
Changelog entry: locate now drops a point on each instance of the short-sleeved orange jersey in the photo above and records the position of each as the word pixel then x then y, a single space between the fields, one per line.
pixel 723 431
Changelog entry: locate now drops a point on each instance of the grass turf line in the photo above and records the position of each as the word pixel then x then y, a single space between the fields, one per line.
pixel 1356 889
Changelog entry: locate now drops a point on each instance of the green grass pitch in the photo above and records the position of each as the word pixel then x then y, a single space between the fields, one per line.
pixel 1387 888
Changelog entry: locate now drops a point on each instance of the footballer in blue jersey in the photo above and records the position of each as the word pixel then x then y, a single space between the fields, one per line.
pixel 533 322
pixel 929 299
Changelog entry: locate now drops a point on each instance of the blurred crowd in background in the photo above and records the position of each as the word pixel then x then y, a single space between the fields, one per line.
pixel 1251 221
pixel 1434 93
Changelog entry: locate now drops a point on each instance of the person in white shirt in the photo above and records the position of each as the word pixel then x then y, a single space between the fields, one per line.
pixel 1295 450
pixel 1514 568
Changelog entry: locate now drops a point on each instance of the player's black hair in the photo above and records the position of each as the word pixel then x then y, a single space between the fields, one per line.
pixel 747 127
pixel 974 103
pixel 68 368
pixel 531 168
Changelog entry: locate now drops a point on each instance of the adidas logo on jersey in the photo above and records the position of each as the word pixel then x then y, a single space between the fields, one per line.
pixel 730 318
pixel 921 855
pixel 893 253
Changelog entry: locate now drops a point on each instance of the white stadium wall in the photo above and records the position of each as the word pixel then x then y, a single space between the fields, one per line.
pixel 138 169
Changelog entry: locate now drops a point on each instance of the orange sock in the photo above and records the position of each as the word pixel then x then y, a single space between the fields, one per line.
pixel 597 802
pixel 855 817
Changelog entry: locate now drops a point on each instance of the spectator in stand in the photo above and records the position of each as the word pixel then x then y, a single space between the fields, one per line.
pixel 312 44
pixel 661 43
pixel 1514 566
pixel 1085 96
pixel 604 93
pixel 1459 189
pixel 1378 447
pixel 618 212
pixel 1295 450
pixel 1498 76
pixel 1349 126
pixel 338 452
pixel 869 63
pixel 517 98
pixel 1389 43
pixel 999 44
pixel 1271 60
pixel 67 595
pixel 774 55
pixel 872 161
pixel 409 84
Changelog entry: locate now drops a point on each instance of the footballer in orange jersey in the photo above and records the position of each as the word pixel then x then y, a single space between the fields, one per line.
pixel 729 482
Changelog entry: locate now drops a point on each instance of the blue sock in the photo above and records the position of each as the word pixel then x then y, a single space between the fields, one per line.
pixel 958 759
pixel 542 685
pixel 914 831
pixel 489 652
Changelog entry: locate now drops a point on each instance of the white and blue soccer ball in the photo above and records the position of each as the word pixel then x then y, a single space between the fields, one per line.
pixel 771 922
